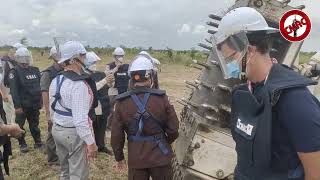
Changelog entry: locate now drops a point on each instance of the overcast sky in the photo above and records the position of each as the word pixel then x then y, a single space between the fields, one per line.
pixel 178 24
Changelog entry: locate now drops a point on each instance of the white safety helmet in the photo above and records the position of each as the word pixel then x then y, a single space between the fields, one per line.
pixel 23 55
pixel 91 60
pixel 154 60
pixel 18 45
pixel 71 49
pixel 141 66
pixel 118 52
pixel 241 19
pixel 232 31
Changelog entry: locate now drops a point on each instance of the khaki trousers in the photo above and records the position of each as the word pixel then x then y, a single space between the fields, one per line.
pixel 71 151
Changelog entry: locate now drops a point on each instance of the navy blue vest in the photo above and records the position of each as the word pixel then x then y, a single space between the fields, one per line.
pixel 251 119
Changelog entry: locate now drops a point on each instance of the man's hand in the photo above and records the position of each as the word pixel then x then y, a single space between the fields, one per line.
pixel 120 167
pixel 14 130
pixel 50 124
pixel 19 111
pixel 110 78
pixel 5 99
pixel 92 151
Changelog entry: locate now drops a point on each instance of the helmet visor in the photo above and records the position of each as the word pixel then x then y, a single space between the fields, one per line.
pixel 230 53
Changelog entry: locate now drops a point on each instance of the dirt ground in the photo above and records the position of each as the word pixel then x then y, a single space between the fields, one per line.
pixel 33 165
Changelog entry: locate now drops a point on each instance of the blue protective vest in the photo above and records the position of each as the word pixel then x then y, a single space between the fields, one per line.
pixel 251 118
pixel 142 116
pixel 57 98
pixel 74 77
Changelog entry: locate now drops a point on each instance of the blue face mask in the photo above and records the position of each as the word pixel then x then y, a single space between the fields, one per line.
pixel 233 69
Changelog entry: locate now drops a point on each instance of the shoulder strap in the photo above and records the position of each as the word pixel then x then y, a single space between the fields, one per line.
pixel 74 76
pixel 141 105
pixel 141 109
pixel 57 97
pixel 140 90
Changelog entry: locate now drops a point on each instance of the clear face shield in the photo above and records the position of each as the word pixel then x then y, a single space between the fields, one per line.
pixel 119 59
pixel 231 53
pixel 58 42
pixel 26 60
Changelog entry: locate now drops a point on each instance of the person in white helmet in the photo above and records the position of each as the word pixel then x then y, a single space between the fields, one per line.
pixel 275 120
pixel 46 78
pixel 150 122
pixel 18 45
pixel 24 82
pixel 117 78
pixel 117 73
pixel 71 99
pixel 155 63
pixel 102 111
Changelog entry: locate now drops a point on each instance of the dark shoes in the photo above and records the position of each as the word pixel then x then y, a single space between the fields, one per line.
pixel 105 150
pixel 54 163
pixel 24 148
pixel 38 145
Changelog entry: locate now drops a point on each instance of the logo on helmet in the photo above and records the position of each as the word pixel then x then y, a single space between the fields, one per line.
pixel 295 25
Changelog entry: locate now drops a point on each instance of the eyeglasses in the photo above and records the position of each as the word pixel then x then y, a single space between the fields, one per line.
pixel 230 57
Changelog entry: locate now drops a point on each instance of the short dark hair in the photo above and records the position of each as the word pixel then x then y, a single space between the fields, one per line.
pixel 260 39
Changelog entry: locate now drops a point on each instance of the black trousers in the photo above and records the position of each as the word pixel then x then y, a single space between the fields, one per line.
pixel 99 127
pixel 32 116
pixel 157 173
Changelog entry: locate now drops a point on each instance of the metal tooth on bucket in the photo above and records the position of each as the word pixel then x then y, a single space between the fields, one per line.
pixel 211 118
pixel 181 102
pixel 196 67
pixel 215 17
pixel 213 24
pixel 225 88
pixel 190 103
pixel 211 31
pixel 300 7
pixel 215 63
pixel 285 2
pixel 201 64
pixel 206 85
pixel 210 107
pixel 208 41
pixel 225 108
pixel 192 84
pixel 190 87
pixel 205 46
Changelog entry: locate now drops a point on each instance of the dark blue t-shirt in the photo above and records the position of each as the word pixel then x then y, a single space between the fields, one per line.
pixel 296 126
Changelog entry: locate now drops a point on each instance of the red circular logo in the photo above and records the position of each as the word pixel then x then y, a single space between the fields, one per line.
pixel 295 25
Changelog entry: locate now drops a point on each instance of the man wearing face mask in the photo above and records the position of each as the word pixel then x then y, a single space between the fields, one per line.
pixel 24 82
pixel 102 111
pixel 117 77
pixel 46 78
pixel 150 122
pixel 275 120
pixel 71 99
pixel 155 63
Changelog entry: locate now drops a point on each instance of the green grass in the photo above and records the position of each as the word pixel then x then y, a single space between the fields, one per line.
pixel 304 57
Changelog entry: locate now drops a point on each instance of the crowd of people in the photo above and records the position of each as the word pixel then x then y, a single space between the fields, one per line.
pixel 80 103
pixel 275 120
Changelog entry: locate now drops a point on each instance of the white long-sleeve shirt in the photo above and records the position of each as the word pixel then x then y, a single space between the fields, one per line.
pixel 77 96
